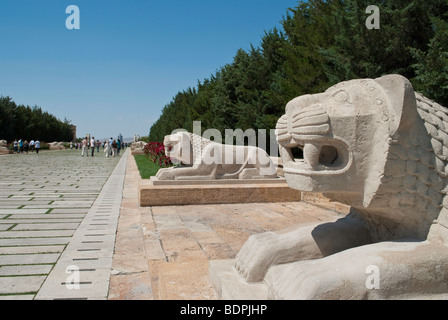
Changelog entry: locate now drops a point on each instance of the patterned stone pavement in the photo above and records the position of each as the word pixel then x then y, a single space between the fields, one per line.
pixel 43 201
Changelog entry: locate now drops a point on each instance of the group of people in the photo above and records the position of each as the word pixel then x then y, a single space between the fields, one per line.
pixel 111 147
pixel 23 146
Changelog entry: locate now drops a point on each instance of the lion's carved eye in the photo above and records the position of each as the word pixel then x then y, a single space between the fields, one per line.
pixel 341 96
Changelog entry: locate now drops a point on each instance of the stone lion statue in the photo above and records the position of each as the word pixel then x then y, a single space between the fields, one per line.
pixel 208 160
pixel 381 148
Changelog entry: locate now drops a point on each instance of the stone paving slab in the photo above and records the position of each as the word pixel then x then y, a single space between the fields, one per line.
pixel 46 226
pixel 52 215
pixel 86 291
pixel 31 250
pixel 21 259
pixel 25 270
pixel 71 211
pixel 4 227
pixel 13 220
pixel 33 241
pixel 72 259
pixel 14 285
pixel 22 211
pixel 36 234
pixel 72 204
pixel 19 203
pixel 17 297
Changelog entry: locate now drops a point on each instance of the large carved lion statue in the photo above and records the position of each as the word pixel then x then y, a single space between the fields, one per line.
pixel 381 148
pixel 204 159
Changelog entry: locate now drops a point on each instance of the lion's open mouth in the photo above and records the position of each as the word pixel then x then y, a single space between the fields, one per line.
pixel 320 156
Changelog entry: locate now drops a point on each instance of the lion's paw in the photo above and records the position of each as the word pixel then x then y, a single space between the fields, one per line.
pixel 165 174
pixel 296 281
pixel 256 256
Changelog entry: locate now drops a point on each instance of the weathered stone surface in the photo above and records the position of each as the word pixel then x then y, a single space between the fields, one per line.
pixel 377 146
pixel 210 160
pixel 216 194
pixel 28 284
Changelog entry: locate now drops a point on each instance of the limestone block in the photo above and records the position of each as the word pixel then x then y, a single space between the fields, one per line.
pixel 169 195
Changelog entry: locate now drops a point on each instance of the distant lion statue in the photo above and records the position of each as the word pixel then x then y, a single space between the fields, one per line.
pixel 380 147
pixel 204 159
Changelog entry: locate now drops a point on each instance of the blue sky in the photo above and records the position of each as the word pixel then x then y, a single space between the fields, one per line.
pixel 128 59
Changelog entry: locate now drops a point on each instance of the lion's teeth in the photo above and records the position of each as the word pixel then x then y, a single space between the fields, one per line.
pixel 311 154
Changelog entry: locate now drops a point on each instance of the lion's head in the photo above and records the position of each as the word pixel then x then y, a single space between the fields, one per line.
pixel 366 144
pixel 177 147
pixel 184 147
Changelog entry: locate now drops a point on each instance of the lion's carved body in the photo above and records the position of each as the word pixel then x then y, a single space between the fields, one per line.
pixel 208 160
pixel 415 176
pixel 388 148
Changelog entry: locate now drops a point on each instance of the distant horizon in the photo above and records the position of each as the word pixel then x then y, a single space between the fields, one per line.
pixel 128 59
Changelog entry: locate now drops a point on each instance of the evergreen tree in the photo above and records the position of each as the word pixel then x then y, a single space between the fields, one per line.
pixel 7 118
pixel 358 52
pixel 322 42
pixel 431 67
pixel 24 122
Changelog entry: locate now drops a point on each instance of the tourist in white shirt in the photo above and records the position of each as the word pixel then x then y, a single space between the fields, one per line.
pixel 37 146
pixel 84 147
pixel 92 145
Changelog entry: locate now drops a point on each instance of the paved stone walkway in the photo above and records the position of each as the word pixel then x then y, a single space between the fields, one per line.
pixel 48 205
pixel 163 253
pixel 72 228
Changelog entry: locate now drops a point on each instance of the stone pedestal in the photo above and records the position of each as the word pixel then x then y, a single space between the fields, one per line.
pixel 170 193
pixel 4 150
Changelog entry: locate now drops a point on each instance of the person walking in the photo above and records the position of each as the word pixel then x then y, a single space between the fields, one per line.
pixel 92 145
pixel 118 146
pixel 114 148
pixel 110 144
pixel 20 146
pixel 16 146
pixel 37 146
pixel 107 149
pixel 84 147
pixel 26 146
pixel 32 143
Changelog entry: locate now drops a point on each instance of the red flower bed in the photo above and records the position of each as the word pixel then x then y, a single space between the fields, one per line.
pixel 156 152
